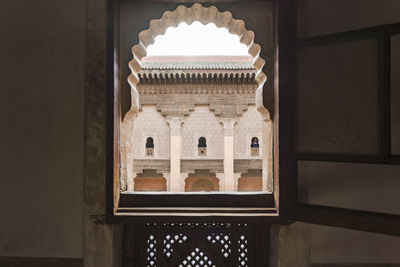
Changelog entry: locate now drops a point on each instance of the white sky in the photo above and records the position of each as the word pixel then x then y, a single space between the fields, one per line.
pixel 197 40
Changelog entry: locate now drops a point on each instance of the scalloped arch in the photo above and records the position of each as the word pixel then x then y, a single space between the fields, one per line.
pixel 204 15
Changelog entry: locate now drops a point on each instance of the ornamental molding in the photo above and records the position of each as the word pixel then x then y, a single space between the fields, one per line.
pixel 196 75
pixel 190 88
pixel 175 125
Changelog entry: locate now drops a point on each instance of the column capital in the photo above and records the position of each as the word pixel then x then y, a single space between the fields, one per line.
pixel 175 125
pixel 229 126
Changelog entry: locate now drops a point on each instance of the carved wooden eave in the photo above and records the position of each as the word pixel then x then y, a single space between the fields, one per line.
pixel 162 76
pixel 204 15
pixel 197 69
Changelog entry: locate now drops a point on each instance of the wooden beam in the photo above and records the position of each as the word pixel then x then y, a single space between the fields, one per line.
pixel 374 222
pixel 197 200
pixel 391 160
pixel 196 1
pixel 189 218
pixel 113 110
pixel 350 35
pixel 287 86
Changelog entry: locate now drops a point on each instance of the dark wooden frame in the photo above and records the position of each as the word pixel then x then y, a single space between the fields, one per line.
pixel 285 158
pixel 374 222
pixel 382 35
pixel 377 222
pixel 266 210
pixel 284 128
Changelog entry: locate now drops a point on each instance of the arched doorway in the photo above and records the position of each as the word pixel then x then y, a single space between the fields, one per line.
pixel 201 181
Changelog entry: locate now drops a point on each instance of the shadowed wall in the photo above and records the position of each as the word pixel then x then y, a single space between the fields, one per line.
pixel 41 113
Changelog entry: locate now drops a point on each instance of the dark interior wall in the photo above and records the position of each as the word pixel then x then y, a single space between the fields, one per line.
pixel 352 248
pixel 42 74
pixel 371 187
pixel 368 187
pixel 318 17
pixel 42 112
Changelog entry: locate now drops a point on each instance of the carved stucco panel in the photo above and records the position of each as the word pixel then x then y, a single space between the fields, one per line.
pixel 150 123
pixel 248 125
pixel 202 122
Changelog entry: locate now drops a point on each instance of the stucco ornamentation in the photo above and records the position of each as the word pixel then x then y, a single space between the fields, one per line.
pixel 205 15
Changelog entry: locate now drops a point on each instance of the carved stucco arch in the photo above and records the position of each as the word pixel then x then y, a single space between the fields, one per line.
pixel 157 27
pixel 204 15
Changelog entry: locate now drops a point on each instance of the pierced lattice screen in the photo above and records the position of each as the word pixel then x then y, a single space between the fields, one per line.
pixel 196 244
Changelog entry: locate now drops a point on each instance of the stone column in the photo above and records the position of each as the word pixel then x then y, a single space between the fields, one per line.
pixel 126 157
pixel 183 177
pixel 175 154
pixel 229 127
pixel 237 176
pixel 221 179
pixel 131 182
pixel 167 177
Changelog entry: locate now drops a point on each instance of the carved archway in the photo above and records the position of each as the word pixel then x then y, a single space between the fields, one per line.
pixel 204 15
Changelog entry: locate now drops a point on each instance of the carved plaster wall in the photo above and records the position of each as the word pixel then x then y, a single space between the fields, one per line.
pixel 150 123
pixel 202 123
pixel 248 125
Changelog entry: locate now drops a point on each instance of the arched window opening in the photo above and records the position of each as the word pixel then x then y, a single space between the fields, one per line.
pixel 202 75
pixel 197 39
pixel 202 146
pixel 149 147
pixel 255 146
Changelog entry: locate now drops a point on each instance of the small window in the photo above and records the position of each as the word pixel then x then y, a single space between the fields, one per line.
pixel 202 147
pixel 255 147
pixel 149 147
